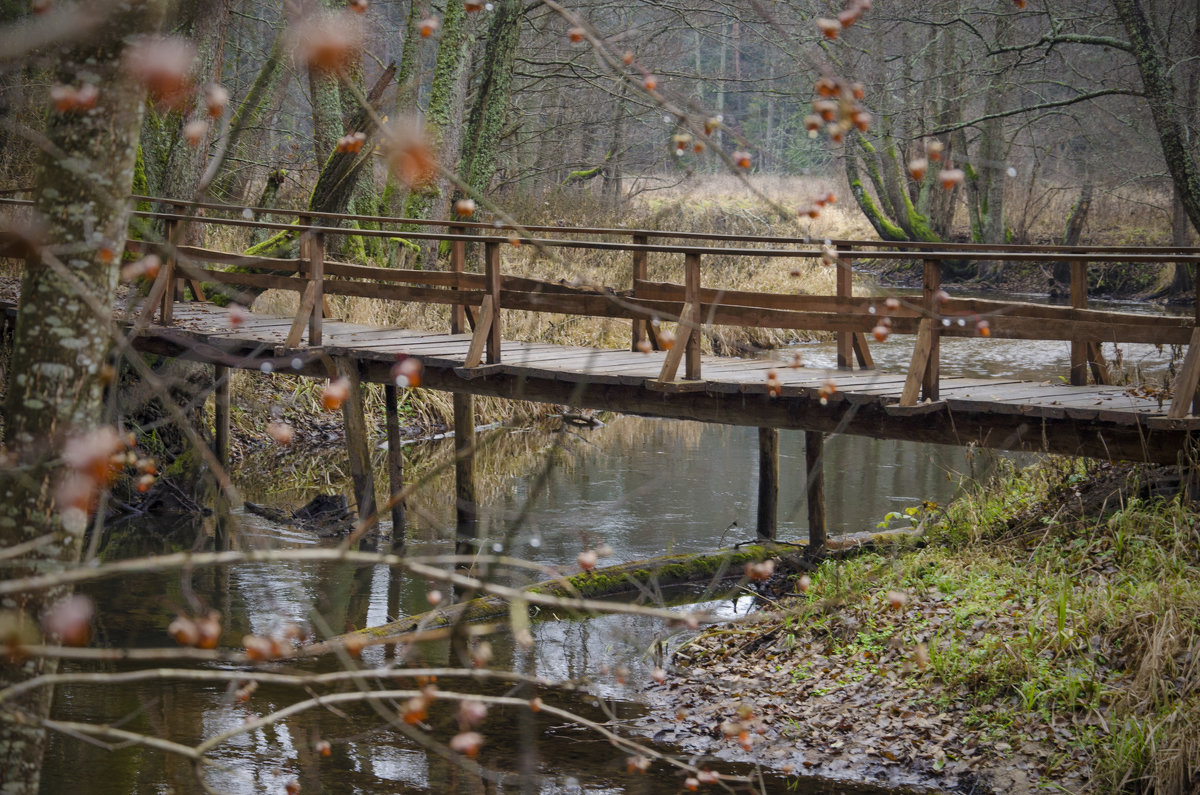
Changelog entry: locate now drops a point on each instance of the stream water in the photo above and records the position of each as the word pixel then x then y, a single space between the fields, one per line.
pixel 644 487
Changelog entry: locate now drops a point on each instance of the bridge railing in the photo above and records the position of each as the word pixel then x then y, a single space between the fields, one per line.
pixel 477 299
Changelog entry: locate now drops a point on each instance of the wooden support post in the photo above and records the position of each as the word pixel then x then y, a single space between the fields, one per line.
pixel 768 482
pixel 1185 383
pixel 303 316
pixel 358 441
pixel 483 327
pixel 933 286
pixel 154 301
pixel 919 364
pixel 1079 346
pixel 674 356
pixel 691 296
pixel 640 325
pixel 167 313
pixel 395 464
pixel 316 273
pixel 814 470
pixel 1196 320
pixel 465 508
pixel 845 339
pixel 862 352
pixel 458 260
pixel 491 266
pixel 221 414
pixel 1100 372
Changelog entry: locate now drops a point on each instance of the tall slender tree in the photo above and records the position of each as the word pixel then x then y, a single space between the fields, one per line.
pixel 61 345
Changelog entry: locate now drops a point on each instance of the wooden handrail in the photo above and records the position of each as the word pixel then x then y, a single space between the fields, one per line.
pixel 920 249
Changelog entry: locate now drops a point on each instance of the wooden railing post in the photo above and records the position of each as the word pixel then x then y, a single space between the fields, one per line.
pixel 691 297
pixel 491 269
pixel 1079 300
pixel 1186 395
pixel 458 259
pixel 316 273
pixel 167 312
pixel 639 274
pixel 845 339
pixel 933 286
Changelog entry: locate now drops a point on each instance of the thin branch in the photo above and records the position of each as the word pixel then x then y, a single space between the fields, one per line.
pixel 1030 108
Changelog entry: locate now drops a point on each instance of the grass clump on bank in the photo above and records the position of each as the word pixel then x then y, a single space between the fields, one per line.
pixel 1043 633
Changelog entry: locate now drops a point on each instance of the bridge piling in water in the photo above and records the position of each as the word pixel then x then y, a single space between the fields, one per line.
pixel 221 377
pixel 814 471
pixel 768 483
pixel 465 509
pixel 358 441
pixel 391 402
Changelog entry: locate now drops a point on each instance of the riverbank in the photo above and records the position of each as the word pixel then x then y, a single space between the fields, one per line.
pixel 1042 634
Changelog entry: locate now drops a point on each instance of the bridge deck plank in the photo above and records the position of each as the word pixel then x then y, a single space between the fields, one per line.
pixel 1030 404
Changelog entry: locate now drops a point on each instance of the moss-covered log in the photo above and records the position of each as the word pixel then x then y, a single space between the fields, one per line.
pixel 723 567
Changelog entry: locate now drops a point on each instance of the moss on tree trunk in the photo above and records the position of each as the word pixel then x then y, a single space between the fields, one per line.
pixel 60 345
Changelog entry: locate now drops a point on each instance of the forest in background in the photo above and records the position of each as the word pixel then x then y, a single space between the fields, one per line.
pixel 1042 106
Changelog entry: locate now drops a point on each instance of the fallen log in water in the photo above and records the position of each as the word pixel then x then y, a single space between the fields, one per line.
pixel 640 577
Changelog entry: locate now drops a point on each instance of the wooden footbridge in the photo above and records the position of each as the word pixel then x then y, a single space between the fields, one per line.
pixel 659 377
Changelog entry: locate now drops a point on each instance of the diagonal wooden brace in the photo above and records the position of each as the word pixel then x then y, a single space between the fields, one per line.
pixel 1184 387
pixel 483 329
pixel 303 314
pixel 688 321
pixel 919 364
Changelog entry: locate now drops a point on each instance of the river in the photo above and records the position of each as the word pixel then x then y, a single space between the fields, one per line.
pixel 643 487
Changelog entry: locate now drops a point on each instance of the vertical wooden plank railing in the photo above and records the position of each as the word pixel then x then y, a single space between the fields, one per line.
pixel 686 347
pixel 691 297
pixel 641 324
pixel 923 370
pixel 491 270
pixel 487 325
pixel 311 310
pixel 167 310
pixel 316 274
pixel 1184 388
pixel 1079 345
pixel 458 260
pixel 845 289
pixel 933 307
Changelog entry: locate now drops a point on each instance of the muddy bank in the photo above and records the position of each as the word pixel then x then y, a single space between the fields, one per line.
pixel 1041 635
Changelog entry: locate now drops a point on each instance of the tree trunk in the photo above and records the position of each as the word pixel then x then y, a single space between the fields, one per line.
pixel 614 166
pixel 395 193
pixel 486 122
pixel 1183 279
pixel 1166 107
pixel 60 346
pixel 185 165
pixel 447 99
pixel 1072 235
pixel 246 127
